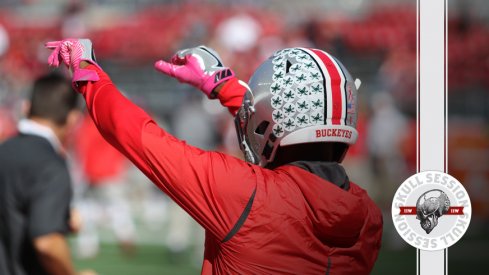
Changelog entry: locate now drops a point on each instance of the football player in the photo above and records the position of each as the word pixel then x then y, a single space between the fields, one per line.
pixel 290 208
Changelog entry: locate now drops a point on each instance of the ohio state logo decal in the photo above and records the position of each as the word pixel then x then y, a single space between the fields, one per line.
pixel 431 210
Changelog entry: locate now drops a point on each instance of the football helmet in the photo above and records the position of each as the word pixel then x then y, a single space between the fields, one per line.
pixel 298 95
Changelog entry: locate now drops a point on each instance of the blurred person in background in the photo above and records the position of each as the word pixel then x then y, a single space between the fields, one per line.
pixel 387 130
pixel 7 124
pixel 106 200
pixel 35 185
pixel 290 207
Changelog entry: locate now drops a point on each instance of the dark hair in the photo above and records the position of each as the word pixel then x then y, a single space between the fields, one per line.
pixel 52 98
pixel 324 151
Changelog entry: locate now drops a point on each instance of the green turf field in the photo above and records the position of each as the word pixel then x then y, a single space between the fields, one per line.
pixel 152 260
pixel 148 260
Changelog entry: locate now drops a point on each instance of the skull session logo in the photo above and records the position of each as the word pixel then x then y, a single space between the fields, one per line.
pixel 431 210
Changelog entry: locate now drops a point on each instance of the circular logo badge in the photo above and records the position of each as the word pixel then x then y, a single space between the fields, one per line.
pixel 431 210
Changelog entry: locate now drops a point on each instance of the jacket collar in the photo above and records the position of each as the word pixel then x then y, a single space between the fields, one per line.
pixel 30 127
pixel 330 171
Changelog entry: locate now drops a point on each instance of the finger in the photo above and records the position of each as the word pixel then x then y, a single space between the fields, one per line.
pixel 166 68
pixel 53 59
pixel 65 55
pixel 52 44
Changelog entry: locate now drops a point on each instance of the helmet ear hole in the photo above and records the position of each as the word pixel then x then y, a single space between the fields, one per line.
pixel 287 67
pixel 262 128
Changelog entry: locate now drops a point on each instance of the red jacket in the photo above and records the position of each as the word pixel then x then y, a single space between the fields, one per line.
pixel 257 221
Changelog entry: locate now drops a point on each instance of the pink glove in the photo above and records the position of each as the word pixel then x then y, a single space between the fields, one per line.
pixel 200 67
pixel 71 52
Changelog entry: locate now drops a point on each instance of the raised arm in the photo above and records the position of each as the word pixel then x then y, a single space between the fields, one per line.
pixel 213 188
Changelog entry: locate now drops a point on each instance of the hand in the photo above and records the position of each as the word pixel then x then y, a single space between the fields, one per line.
pixel 200 67
pixel 72 52
pixel 75 221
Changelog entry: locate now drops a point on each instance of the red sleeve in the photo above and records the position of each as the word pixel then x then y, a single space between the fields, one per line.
pixel 213 188
pixel 231 95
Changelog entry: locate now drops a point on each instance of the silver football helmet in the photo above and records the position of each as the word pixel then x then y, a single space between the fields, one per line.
pixel 298 95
